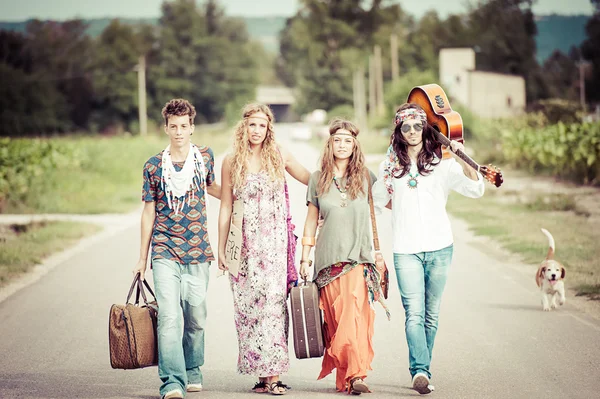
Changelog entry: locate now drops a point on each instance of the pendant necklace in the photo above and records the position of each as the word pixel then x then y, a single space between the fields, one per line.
pixel 343 192
pixel 412 180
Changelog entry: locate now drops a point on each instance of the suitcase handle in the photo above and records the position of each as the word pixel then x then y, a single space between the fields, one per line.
pixel 140 290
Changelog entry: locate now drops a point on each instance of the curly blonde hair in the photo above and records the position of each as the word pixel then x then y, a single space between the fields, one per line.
pixel 271 159
pixel 355 172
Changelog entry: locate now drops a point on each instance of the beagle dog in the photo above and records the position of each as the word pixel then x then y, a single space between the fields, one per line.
pixel 549 278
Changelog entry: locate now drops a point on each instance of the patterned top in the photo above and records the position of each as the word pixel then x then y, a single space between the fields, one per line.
pixel 182 237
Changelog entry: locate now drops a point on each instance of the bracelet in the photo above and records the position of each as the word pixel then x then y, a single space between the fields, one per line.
pixel 306 261
pixel 308 241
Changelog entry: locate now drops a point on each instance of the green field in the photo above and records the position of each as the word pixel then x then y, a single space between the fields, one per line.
pixel 77 174
pixel 82 174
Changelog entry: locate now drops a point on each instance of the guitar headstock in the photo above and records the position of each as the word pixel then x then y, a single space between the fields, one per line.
pixel 492 174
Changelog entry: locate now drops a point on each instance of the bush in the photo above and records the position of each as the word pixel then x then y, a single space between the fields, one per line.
pixel 24 165
pixel 345 111
pixel 558 110
pixel 569 151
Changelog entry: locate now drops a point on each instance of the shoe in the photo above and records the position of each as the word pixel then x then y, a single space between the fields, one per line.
pixel 260 387
pixel 197 387
pixel 277 388
pixel 358 386
pixel 420 383
pixel 174 394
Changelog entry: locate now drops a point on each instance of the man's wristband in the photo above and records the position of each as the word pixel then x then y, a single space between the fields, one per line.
pixel 308 241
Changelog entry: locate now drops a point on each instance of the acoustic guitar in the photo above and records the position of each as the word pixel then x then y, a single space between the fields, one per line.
pixel 448 125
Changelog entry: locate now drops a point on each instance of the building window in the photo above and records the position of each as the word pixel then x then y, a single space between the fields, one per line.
pixel 508 102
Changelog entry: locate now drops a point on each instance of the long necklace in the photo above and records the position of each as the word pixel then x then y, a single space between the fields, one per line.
pixel 412 180
pixel 343 192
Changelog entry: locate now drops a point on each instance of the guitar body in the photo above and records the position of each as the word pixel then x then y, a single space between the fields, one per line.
pixel 449 124
pixel 440 115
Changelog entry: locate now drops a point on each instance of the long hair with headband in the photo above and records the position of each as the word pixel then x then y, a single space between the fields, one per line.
pixel 355 172
pixel 428 157
pixel 270 156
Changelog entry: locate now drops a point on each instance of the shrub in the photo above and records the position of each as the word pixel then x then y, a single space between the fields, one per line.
pixel 569 151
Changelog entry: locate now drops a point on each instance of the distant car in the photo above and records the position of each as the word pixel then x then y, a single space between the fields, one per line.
pixel 301 133
pixel 316 117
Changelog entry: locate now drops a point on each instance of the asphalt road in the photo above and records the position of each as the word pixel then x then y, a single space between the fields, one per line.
pixel 494 341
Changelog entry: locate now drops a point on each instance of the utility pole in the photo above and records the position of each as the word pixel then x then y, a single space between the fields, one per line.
pixel 362 97
pixel 372 98
pixel 360 102
pixel 355 96
pixel 394 57
pixel 379 82
pixel 582 84
pixel 143 115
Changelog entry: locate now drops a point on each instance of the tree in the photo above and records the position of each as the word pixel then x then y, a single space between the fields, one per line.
pixel 324 42
pixel 590 50
pixel 561 74
pixel 230 71
pixel 62 53
pixel 115 81
pixel 28 104
pixel 202 56
pixel 505 31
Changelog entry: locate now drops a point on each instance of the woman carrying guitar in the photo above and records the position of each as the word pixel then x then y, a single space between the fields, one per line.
pixel 417 178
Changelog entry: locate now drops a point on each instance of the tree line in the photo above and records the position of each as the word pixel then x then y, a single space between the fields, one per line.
pixel 57 79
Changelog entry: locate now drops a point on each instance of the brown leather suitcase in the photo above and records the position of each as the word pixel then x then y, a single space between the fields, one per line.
pixel 307 322
pixel 132 334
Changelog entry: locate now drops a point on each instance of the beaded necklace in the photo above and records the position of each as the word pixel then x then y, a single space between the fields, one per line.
pixel 343 192
pixel 412 180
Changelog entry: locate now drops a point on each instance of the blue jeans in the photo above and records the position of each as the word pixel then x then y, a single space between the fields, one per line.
pixel 421 280
pixel 181 297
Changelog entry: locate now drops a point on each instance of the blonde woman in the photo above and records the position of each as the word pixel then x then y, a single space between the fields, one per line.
pixel 344 267
pixel 255 174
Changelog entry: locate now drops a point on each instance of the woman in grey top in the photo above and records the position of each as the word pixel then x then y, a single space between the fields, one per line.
pixel 344 267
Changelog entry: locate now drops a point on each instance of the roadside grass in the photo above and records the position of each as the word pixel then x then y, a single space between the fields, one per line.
pixel 23 246
pixel 109 176
pixel 108 180
pixel 515 224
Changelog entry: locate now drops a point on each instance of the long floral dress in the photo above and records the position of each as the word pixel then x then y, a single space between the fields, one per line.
pixel 259 292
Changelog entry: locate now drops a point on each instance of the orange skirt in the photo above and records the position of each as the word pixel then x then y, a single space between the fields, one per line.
pixel 347 327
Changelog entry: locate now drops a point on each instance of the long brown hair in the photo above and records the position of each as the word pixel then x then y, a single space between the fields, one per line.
pixel 271 160
pixel 355 172
pixel 429 156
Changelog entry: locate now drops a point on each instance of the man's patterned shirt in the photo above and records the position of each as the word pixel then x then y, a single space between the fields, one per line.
pixel 183 237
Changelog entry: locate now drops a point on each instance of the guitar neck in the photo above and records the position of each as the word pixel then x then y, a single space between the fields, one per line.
pixel 445 141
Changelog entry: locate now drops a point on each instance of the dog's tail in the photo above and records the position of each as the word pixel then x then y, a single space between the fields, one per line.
pixel 551 246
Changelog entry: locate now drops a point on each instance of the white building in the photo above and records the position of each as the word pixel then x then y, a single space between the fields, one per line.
pixel 486 94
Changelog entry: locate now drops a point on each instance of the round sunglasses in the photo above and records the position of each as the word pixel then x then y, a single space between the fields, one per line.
pixel 406 127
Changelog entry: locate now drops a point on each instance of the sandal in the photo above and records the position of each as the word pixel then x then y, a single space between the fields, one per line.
pixel 278 388
pixel 358 386
pixel 260 387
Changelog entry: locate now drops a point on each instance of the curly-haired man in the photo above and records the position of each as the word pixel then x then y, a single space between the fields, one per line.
pixel 176 182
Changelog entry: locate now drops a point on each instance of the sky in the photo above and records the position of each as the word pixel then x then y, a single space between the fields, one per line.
pixel 11 10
